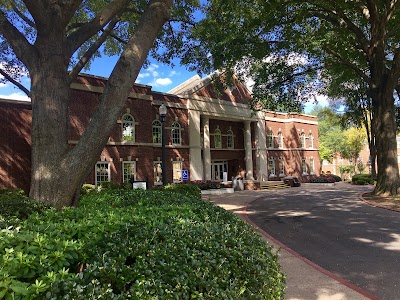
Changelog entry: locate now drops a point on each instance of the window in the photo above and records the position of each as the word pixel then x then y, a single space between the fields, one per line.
pixel 280 140
pixel 217 138
pixel 102 172
pixel 129 169
pixel 271 166
pixel 270 139
pixel 128 128
pixel 281 167
pixel 176 133
pixel 156 132
pixel 302 140
pixel 177 171
pixel 311 140
pixel 157 166
pixel 230 139
pixel 304 166
pixel 312 165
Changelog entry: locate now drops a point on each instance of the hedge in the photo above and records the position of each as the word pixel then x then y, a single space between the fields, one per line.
pixel 124 244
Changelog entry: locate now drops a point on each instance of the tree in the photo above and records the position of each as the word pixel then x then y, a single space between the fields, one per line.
pixel 359 39
pixel 53 41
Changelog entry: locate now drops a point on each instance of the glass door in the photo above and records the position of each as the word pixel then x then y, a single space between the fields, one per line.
pixel 217 170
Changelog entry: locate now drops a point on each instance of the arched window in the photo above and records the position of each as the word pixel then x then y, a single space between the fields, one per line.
pixel 230 139
pixel 280 140
pixel 311 140
pixel 302 140
pixel 128 128
pixel 217 138
pixel 176 133
pixel 157 132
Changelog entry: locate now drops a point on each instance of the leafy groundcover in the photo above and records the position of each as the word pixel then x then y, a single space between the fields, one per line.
pixel 124 244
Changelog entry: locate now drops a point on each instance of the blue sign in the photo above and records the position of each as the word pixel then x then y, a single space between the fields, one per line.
pixel 185 175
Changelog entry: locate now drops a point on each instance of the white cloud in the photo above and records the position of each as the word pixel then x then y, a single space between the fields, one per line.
pixel 143 75
pixel 319 99
pixel 152 67
pixel 173 73
pixel 16 96
pixel 155 74
pixel 161 81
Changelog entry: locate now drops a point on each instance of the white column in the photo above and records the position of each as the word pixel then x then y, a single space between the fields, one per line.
pixel 206 148
pixel 261 153
pixel 196 165
pixel 248 151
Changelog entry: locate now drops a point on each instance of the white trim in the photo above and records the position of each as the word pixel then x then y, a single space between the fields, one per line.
pixel 108 171
pixel 134 169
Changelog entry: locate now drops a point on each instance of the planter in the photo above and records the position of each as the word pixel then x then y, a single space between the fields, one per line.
pixel 217 191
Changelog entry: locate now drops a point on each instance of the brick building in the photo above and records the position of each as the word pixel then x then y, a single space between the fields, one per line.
pixel 213 135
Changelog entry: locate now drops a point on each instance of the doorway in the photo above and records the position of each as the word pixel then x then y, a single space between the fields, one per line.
pixel 218 168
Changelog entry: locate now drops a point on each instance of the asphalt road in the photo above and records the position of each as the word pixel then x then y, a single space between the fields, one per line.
pixel 330 226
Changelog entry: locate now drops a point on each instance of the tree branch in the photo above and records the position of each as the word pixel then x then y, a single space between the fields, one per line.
pixel 16 83
pixel 78 37
pixel 25 52
pixel 92 49
pixel 23 17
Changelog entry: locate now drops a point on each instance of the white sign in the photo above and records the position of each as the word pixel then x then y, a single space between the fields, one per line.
pixel 225 176
pixel 139 185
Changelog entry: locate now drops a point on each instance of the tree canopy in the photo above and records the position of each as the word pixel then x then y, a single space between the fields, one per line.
pixel 298 48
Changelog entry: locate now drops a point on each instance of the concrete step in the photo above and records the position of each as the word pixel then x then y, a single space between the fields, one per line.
pixel 270 185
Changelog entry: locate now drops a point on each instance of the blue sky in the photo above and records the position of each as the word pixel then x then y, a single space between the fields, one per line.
pixel 161 77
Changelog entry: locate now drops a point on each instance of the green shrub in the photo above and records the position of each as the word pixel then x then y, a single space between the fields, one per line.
pixel 15 206
pixel 337 178
pixel 361 179
pixel 206 184
pixel 135 244
pixel 185 189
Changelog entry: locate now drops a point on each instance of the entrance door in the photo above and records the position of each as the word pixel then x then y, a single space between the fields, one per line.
pixel 217 169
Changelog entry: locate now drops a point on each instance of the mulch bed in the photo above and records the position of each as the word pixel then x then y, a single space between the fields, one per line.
pixel 392 203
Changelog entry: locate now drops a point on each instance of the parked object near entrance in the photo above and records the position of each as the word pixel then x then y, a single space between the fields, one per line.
pixel 293 181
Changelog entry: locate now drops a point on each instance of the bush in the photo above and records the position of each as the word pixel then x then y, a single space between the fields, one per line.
pixel 362 179
pixel 15 206
pixel 206 184
pixel 337 178
pixel 323 179
pixel 185 189
pixel 135 244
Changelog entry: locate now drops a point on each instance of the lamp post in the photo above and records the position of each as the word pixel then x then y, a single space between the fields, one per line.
pixel 163 116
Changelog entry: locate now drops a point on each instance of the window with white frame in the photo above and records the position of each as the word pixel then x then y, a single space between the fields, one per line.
pixel 302 140
pixel 271 167
pixel 304 166
pixel 312 166
pixel 176 133
pixel 230 139
pixel 157 166
pixel 102 172
pixel 281 167
pixel 217 138
pixel 270 138
pixel 280 140
pixel 157 132
pixel 128 128
pixel 311 140
pixel 177 171
pixel 129 169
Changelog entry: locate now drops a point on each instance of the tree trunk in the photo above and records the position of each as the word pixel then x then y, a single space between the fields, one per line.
pixel 57 170
pixel 386 146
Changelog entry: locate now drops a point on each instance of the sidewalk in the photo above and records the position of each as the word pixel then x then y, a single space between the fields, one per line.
pixel 304 280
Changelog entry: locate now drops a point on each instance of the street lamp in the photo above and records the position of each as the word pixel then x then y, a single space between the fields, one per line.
pixel 163 116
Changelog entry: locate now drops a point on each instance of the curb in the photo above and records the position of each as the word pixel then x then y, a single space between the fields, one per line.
pixel 361 198
pixel 307 261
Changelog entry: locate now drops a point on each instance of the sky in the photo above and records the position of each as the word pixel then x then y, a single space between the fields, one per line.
pixel 161 77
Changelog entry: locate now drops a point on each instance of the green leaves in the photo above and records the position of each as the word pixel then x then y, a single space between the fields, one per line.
pixel 122 244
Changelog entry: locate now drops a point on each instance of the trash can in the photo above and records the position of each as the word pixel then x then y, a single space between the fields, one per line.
pixel 291 180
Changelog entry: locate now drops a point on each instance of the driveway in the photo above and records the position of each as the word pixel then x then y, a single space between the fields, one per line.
pixel 330 226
